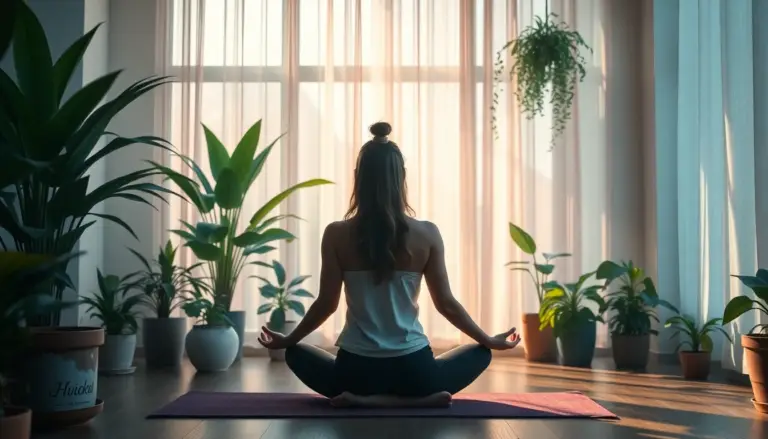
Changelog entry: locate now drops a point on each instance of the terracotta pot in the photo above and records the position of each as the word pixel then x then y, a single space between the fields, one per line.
pixel 16 423
pixel 695 364
pixel 540 346
pixel 61 373
pixel 756 357
pixel 630 352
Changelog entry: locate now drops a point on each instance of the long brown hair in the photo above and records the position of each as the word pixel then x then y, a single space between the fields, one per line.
pixel 379 202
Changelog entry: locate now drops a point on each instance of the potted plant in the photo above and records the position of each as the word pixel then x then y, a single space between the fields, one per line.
pixel 696 360
pixel 48 145
pixel 566 310
pixel 755 341
pixel 116 309
pixel 282 298
pixel 539 339
pixel 633 306
pixel 218 238
pixel 547 60
pixel 212 344
pixel 166 287
pixel 24 281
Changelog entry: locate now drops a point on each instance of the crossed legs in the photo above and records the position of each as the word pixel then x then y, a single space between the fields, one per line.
pixel 454 370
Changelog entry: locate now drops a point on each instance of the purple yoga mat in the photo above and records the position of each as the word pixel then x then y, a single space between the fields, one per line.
pixel 202 405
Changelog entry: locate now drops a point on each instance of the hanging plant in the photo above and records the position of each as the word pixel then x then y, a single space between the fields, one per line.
pixel 547 60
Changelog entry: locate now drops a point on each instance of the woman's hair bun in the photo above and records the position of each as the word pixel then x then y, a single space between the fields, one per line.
pixel 380 129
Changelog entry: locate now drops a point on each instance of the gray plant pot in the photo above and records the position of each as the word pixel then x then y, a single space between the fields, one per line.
pixel 238 320
pixel 212 348
pixel 163 341
pixel 279 355
pixel 577 345
pixel 116 356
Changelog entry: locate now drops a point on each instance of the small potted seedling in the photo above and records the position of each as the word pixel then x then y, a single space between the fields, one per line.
pixel 282 298
pixel 695 360
pixel 118 314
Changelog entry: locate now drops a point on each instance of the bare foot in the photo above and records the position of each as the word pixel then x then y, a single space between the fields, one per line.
pixel 436 400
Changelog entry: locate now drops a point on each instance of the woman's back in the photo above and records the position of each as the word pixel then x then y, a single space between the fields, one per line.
pixel 382 313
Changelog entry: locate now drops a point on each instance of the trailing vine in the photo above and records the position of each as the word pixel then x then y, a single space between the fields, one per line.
pixel 546 60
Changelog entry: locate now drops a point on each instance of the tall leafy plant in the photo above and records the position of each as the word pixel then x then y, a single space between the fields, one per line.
pixel 538 269
pixel 166 286
pixel 216 239
pixel 48 146
pixel 634 302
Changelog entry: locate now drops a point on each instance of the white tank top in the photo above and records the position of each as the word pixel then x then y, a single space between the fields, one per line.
pixel 382 320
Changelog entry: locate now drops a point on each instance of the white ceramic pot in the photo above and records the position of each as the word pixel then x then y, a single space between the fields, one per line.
pixel 212 348
pixel 279 355
pixel 116 355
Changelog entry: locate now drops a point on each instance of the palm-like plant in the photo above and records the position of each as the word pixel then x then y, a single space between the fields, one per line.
pixel 112 305
pixel 634 302
pixel 48 146
pixel 24 293
pixel 566 306
pixel 699 339
pixel 166 286
pixel 282 297
pixel 216 239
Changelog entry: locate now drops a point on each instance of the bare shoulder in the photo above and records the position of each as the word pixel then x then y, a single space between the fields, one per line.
pixel 425 230
pixel 336 229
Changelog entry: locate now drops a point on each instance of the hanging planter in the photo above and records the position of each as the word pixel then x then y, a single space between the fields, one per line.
pixel 546 61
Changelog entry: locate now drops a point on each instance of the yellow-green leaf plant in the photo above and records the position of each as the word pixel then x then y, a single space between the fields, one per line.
pixel 216 238
pixel 538 269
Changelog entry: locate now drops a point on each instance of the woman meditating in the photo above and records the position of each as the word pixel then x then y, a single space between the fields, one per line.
pixel 380 254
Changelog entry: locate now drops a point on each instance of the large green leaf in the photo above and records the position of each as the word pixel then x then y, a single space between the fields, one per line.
pixel 277 320
pixel 279 272
pixel 205 251
pixel 211 232
pixel 297 307
pixel 218 158
pixel 242 156
pixel 277 199
pixel 523 240
pixel 229 192
pixel 117 144
pixel 33 63
pixel 187 186
pixel 65 66
pixel 609 270
pixel 8 10
pixel 253 239
pixel 258 163
pixel 736 308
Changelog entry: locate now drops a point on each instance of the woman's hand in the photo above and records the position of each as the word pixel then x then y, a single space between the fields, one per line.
pixel 504 341
pixel 273 340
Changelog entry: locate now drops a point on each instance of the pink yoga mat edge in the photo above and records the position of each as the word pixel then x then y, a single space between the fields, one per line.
pixel 238 405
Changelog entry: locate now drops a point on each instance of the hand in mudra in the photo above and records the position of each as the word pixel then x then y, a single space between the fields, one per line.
pixel 504 341
pixel 272 339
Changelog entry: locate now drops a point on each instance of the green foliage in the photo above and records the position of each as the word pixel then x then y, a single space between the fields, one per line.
pixel 113 305
pixel 541 271
pixel 699 339
pixel 48 145
pixel 166 286
pixel 24 293
pixel 740 305
pixel 203 309
pixel 283 296
pixel 635 301
pixel 566 306
pixel 546 60
pixel 215 239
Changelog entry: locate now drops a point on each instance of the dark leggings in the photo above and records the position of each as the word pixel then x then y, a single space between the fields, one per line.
pixel 414 375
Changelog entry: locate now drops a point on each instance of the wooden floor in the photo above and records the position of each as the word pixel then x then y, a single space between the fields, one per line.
pixel 655 405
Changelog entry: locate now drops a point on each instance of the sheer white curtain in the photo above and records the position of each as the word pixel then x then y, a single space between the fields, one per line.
pixel 711 154
pixel 323 70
